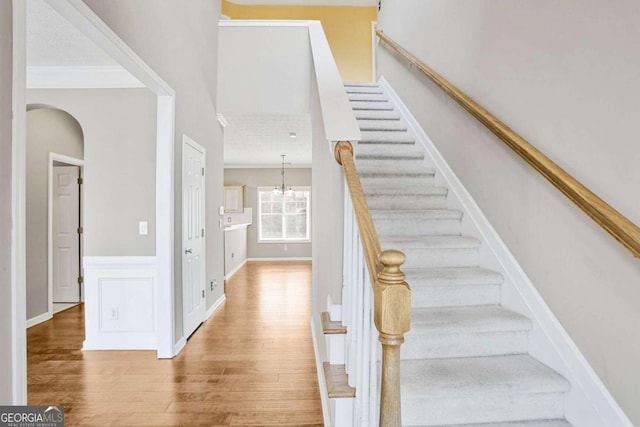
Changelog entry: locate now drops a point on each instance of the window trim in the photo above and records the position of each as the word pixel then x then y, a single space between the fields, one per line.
pixel 259 218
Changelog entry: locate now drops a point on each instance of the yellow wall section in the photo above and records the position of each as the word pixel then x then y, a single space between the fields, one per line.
pixel 348 30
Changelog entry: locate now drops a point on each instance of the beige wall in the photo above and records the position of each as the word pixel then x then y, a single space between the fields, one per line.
pixel 6 62
pixel 179 41
pixel 348 30
pixel 119 128
pixel 48 131
pixel 565 76
pixel 268 177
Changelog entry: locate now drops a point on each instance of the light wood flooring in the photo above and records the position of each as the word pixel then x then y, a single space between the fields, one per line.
pixel 252 363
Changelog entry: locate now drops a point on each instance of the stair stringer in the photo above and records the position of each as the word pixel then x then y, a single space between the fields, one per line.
pixel 588 403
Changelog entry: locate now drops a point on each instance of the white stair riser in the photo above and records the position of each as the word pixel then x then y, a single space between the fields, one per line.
pixel 343 411
pixel 453 295
pixel 436 346
pixel 407 201
pixel 396 181
pixel 412 226
pixel 335 348
pixel 441 257
pixel 480 408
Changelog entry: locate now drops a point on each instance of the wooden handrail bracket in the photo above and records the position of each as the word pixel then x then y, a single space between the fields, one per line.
pixel 620 227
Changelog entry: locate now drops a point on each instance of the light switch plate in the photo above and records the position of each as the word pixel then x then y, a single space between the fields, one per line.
pixel 143 228
pixel 220 210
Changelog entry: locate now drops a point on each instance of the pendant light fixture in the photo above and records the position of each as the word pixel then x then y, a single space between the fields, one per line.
pixel 282 189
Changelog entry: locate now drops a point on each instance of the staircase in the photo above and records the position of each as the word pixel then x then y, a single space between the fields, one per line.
pixel 465 361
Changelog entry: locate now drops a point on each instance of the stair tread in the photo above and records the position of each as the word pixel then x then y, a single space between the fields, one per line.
pixel 381 115
pixel 407 214
pixel 380 189
pixel 493 375
pixel 452 276
pixel 330 327
pixel 395 171
pixel 470 319
pixel 337 381
pixel 386 137
pixel 379 151
pixel 371 97
pixel 366 105
pixel 361 84
pixel 382 125
pixel 534 423
pixel 363 89
pixel 435 242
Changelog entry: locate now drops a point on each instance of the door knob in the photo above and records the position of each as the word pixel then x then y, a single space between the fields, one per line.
pixel 188 251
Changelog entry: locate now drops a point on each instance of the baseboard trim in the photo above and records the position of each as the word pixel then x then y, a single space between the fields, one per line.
pixel 36 320
pixel 235 270
pixel 131 342
pixel 215 306
pixel 589 403
pixel 322 383
pixel 177 347
pixel 279 259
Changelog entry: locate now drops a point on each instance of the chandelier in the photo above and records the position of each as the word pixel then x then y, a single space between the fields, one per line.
pixel 282 189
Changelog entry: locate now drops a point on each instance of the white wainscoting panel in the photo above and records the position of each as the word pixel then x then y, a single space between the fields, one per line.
pixel 120 308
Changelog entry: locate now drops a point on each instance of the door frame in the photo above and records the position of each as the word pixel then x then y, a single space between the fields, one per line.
pixel 188 141
pixel 71 161
pixel 87 22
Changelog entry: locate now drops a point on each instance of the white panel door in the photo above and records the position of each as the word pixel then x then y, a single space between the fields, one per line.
pixel 193 266
pixel 66 240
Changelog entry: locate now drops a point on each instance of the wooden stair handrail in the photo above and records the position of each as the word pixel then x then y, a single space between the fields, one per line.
pixel 391 293
pixel 616 224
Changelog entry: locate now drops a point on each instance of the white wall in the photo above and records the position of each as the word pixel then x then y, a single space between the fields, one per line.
pixel 268 177
pixel 563 75
pixel 48 130
pixel 179 41
pixel 119 128
pixel 6 39
pixel 235 249
pixel 327 205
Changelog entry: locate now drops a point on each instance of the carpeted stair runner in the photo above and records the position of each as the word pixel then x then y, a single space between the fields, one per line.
pixel 465 360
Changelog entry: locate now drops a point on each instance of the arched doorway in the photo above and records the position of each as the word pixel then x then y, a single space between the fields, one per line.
pixel 55 152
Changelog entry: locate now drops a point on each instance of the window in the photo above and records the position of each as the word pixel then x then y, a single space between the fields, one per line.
pixel 284 217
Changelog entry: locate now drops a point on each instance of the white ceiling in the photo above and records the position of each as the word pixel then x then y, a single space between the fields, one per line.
pixel 264 83
pixel 52 41
pixel 260 139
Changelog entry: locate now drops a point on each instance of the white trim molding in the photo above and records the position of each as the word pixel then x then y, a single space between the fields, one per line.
pixel 589 403
pixel 80 77
pixel 18 207
pixel 302 258
pixel 53 157
pixel 322 382
pixel 215 306
pixel 120 303
pixel 235 270
pixel 39 319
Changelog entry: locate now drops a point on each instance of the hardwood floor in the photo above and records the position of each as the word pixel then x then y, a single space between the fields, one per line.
pixel 252 363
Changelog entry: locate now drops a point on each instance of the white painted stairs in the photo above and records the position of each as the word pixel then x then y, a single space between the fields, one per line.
pixel 465 361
